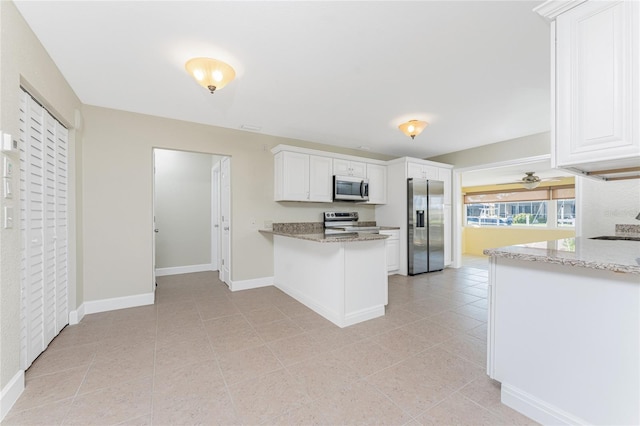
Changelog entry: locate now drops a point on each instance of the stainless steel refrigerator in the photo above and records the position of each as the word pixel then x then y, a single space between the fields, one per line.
pixel 425 207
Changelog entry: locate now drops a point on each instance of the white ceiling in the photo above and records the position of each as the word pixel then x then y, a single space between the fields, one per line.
pixel 511 173
pixel 338 73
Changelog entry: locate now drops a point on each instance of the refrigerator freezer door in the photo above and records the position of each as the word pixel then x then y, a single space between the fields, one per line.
pixel 435 220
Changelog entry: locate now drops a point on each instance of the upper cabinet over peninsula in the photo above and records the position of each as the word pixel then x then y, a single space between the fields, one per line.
pixel 595 57
pixel 302 174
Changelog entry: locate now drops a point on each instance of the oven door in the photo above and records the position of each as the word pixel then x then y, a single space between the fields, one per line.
pixel 347 188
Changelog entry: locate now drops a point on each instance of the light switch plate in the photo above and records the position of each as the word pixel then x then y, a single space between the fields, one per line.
pixel 7 167
pixel 8 217
pixel 7 190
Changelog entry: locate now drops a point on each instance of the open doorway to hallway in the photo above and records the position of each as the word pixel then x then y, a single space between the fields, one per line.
pixel 191 208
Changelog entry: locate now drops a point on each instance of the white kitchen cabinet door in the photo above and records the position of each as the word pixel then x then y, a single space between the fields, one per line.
pixel 421 171
pixel 447 235
pixel 377 175
pixel 320 179
pixel 302 177
pixel 392 246
pixel 293 176
pixel 445 176
pixel 597 83
pixel 349 168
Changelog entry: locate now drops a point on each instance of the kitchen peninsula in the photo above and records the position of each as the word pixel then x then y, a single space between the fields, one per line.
pixel 564 330
pixel 341 277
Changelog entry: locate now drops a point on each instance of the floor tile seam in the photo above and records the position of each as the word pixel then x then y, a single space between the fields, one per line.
pixel 153 377
pixel 235 404
pixel 469 304
pixel 228 390
pixel 435 404
pixel 499 416
pixel 76 394
pixel 35 407
pixel 440 346
pixel 388 398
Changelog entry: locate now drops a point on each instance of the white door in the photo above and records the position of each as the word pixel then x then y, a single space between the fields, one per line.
pixel 154 225
pixel 44 228
pixel 215 217
pixel 225 220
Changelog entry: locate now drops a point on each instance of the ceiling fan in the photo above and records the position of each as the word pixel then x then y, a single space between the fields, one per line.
pixel 531 181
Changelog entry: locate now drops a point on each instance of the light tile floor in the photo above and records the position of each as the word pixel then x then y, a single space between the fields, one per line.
pixel 205 355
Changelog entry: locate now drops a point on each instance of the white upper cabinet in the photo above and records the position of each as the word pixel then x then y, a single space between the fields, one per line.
pixel 445 176
pixel 597 85
pixel 302 174
pixel 421 171
pixel 320 178
pixel 302 177
pixel 349 168
pixel 377 176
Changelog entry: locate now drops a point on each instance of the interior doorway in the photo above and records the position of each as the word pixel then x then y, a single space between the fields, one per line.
pixel 188 200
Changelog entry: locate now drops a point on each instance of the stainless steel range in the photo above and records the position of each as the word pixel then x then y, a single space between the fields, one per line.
pixel 345 223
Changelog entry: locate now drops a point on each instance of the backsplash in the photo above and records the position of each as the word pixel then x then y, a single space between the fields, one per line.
pixel 627 230
pixel 299 227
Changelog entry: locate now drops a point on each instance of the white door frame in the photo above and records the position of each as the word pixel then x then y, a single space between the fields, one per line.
pixel 216 238
pixel 154 230
pixel 215 216
pixel 459 204
pixel 225 223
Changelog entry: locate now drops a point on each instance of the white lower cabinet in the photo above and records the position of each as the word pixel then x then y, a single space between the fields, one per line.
pixel 392 245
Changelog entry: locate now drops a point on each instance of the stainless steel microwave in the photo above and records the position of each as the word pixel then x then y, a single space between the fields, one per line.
pixel 349 188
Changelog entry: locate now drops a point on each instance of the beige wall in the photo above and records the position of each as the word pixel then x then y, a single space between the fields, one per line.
pixel 524 147
pixel 478 239
pixel 24 61
pixel 182 208
pixel 117 162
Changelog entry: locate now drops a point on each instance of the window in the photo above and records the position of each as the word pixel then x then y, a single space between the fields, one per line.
pixel 566 213
pixel 532 208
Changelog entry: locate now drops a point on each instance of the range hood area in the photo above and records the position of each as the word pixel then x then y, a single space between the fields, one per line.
pixel 608 170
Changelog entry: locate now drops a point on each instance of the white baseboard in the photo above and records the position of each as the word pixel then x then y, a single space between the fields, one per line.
pixel 10 393
pixel 104 305
pixel 249 284
pixel 177 270
pixel 329 314
pixel 362 315
pixel 76 316
pixel 536 409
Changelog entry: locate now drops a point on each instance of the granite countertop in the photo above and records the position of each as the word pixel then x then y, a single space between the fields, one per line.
pixel 321 237
pixel 314 231
pixel 616 256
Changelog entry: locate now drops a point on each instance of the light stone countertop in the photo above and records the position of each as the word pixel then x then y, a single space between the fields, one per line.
pixel 616 256
pixel 320 237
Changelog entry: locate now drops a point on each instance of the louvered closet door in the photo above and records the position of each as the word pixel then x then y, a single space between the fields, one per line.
pixel 43 219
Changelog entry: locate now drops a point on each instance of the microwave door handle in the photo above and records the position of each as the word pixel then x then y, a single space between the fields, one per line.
pixel 361 189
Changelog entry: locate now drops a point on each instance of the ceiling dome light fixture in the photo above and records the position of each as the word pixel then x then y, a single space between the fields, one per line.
pixel 413 128
pixel 210 73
